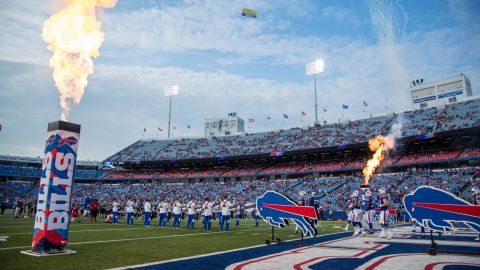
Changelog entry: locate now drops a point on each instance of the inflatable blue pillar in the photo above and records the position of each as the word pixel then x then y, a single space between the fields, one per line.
pixel 52 219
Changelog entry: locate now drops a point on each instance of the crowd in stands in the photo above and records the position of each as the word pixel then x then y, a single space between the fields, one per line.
pixel 29 171
pixel 332 191
pixel 430 120
pixel 326 166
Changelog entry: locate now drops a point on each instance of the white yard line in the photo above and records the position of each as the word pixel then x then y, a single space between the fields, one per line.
pixel 83 231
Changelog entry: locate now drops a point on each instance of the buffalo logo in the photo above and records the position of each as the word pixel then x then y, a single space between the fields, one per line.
pixel 67 141
pixel 437 209
pixel 275 208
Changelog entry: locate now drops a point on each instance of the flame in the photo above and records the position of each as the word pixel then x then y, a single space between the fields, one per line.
pixel 74 37
pixel 379 145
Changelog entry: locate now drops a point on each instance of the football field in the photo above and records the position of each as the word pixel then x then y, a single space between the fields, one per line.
pixel 103 245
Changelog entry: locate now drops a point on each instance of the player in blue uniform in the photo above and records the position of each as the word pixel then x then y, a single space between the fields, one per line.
pixel 368 211
pixel 237 215
pixel 383 202
pixel 315 202
pixel 86 206
pixel 301 202
pixel 357 214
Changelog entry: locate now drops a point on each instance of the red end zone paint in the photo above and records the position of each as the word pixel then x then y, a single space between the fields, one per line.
pixel 306 211
pixel 471 210
pixel 432 265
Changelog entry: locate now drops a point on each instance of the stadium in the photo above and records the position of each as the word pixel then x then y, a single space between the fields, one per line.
pixel 202 201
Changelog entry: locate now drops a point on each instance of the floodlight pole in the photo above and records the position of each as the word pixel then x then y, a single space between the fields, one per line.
pixel 316 105
pixel 169 115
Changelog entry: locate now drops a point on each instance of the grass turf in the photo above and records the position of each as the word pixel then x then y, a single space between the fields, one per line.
pixel 104 245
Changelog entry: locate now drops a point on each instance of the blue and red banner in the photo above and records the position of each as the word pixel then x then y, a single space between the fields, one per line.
pixel 52 218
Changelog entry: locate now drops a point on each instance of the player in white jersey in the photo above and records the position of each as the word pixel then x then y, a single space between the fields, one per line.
pixel 147 211
pixel 225 206
pixel 130 211
pixel 191 214
pixel 207 213
pixel 350 212
pixel 257 216
pixel 115 205
pixel 177 212
pixel 162 213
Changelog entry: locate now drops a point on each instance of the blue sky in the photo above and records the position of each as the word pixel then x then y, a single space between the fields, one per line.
pixel 224 62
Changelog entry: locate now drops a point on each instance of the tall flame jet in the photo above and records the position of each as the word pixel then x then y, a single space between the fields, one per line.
pixel 379 144
pixel 74 36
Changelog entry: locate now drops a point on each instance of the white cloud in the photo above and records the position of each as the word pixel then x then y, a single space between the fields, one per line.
pixel 149 48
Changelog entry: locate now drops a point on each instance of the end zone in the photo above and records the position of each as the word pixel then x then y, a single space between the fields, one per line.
pixel 338 251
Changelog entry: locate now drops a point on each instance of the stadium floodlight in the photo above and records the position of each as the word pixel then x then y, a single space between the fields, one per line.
pixel 170 91
pixel 315 68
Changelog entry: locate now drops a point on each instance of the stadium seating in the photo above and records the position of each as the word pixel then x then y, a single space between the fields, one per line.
pixel 436 119
pixel 332 191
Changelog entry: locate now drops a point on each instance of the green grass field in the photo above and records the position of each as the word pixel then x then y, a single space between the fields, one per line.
pixel 102 245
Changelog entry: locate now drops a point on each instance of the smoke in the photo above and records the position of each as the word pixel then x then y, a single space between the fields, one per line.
pixel 396 130
pixel 389 21
pixel 74 36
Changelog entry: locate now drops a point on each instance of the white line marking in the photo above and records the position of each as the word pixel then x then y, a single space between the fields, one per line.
pixel 84 231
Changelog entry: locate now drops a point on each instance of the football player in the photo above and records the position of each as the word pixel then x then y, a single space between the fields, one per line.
pixel 315 202
pixel 383 202
pixel 357 214
pixel 349 211
pixel 368 212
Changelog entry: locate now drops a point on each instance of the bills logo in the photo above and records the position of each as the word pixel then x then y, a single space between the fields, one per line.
pixel 53 217
pixel 437 209
pixel 275 208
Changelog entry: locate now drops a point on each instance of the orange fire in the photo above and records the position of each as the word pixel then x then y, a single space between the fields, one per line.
pixel 379 145
pixel 74 36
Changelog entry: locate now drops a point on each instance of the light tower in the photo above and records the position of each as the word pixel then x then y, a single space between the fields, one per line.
pixel 170 91
pixel 315 68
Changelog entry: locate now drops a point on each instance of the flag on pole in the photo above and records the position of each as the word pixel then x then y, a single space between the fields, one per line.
pixel 251 120
pixel 365 103
pixel 285 116
pixel 345 106
pixel 304 113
